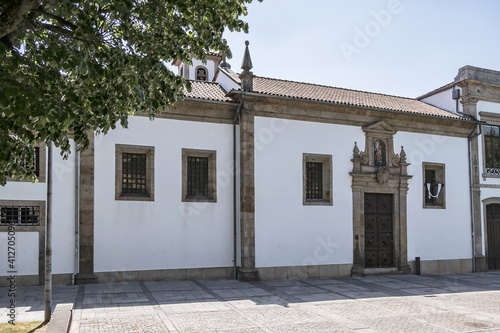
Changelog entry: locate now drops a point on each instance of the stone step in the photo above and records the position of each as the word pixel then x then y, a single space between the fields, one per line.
pixel 381 271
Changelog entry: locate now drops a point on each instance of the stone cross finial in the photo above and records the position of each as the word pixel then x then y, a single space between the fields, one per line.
pixel 246 76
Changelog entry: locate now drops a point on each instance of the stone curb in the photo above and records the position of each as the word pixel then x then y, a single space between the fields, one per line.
pixel 61 318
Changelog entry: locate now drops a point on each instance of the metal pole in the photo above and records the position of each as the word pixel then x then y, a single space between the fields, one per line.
pixel 48 239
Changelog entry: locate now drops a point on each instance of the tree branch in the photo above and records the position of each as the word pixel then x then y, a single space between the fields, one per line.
pixel 56 29
pixel 59 19
pixel 13 15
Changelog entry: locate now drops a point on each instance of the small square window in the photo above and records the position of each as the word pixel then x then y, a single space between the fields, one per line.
pixel 317 179
pixel 134 174
pixel 199 175
pixel 434 185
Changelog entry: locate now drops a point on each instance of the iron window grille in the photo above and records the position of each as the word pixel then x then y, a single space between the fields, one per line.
pixel 199 180
pixel 317 179
pixel 36 162
pixel 197 177
pixel 20 215
pixel 134 174
pixel 492 149
pixel 314 181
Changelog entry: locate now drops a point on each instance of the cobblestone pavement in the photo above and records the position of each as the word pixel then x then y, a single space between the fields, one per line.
pixel 431 303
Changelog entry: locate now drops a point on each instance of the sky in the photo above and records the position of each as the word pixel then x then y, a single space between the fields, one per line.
pixel 397 47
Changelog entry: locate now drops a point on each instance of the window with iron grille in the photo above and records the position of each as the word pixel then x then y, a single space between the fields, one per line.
pixel 317 179
pixel 36 162
pixel 199 175
pixel 434 185
pixel 38 165
pixel 314 180
pixel 134 173
pixel 20 215
pixel 492 149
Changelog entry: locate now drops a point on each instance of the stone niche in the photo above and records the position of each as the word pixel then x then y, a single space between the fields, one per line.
pixel 381 171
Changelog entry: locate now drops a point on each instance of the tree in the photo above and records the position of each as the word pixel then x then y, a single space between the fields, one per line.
pixel 69 67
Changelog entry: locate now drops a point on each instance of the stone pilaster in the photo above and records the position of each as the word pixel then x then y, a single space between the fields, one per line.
pixel 247 270
pixel 469 104
pixel 86 233
pixel 481 264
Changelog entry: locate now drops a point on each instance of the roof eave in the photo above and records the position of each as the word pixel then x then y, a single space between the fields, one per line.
pixel 235 92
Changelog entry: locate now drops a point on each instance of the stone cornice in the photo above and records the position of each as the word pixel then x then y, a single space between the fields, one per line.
pixel 267 106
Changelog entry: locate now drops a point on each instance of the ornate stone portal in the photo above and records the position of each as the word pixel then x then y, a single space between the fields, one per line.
pixel 378 170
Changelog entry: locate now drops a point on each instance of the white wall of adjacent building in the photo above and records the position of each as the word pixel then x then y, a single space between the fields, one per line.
pixel 486 192
pixel 165 233
pixel 63 220
pixel 444 100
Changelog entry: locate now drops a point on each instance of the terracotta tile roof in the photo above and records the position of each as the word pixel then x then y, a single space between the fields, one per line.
pixel 208 91
pixel 314 92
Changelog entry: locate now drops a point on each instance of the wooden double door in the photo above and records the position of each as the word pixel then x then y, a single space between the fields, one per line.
pixel 493 231
pixel 379 232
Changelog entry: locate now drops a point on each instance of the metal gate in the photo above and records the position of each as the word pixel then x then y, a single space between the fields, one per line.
pixel 379 244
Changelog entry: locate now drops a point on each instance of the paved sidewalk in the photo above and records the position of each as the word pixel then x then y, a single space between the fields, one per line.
pixel 431 303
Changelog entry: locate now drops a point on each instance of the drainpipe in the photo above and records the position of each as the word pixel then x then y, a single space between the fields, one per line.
pixel 472 136
pixel 77 213
pixel 48 239
pixel 235 237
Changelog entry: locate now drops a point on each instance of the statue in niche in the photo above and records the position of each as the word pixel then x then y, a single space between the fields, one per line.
pixel 379 152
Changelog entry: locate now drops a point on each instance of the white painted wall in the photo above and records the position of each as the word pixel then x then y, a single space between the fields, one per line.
pixel 226 82
pixel 210 66
pixel 26 253
pixel 63 227
pixel 488 107
pixel 166 233
pixel 438 233
pixel 444 101
pixel 63 213
pixel 287 232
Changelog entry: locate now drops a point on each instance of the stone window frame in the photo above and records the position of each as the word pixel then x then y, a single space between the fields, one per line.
pixel 196 73
pixel 327 179
pixel 212 174
pixel 40 228
pixel 440 169
pixel 41 165
pixel 150 172
pixel 492 119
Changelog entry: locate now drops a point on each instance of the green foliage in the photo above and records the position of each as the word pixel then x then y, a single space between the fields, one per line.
pixel 70 67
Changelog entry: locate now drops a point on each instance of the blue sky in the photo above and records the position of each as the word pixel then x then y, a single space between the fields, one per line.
pixel 397 47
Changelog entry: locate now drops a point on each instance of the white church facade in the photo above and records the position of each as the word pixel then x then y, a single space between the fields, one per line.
pixel 259 178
